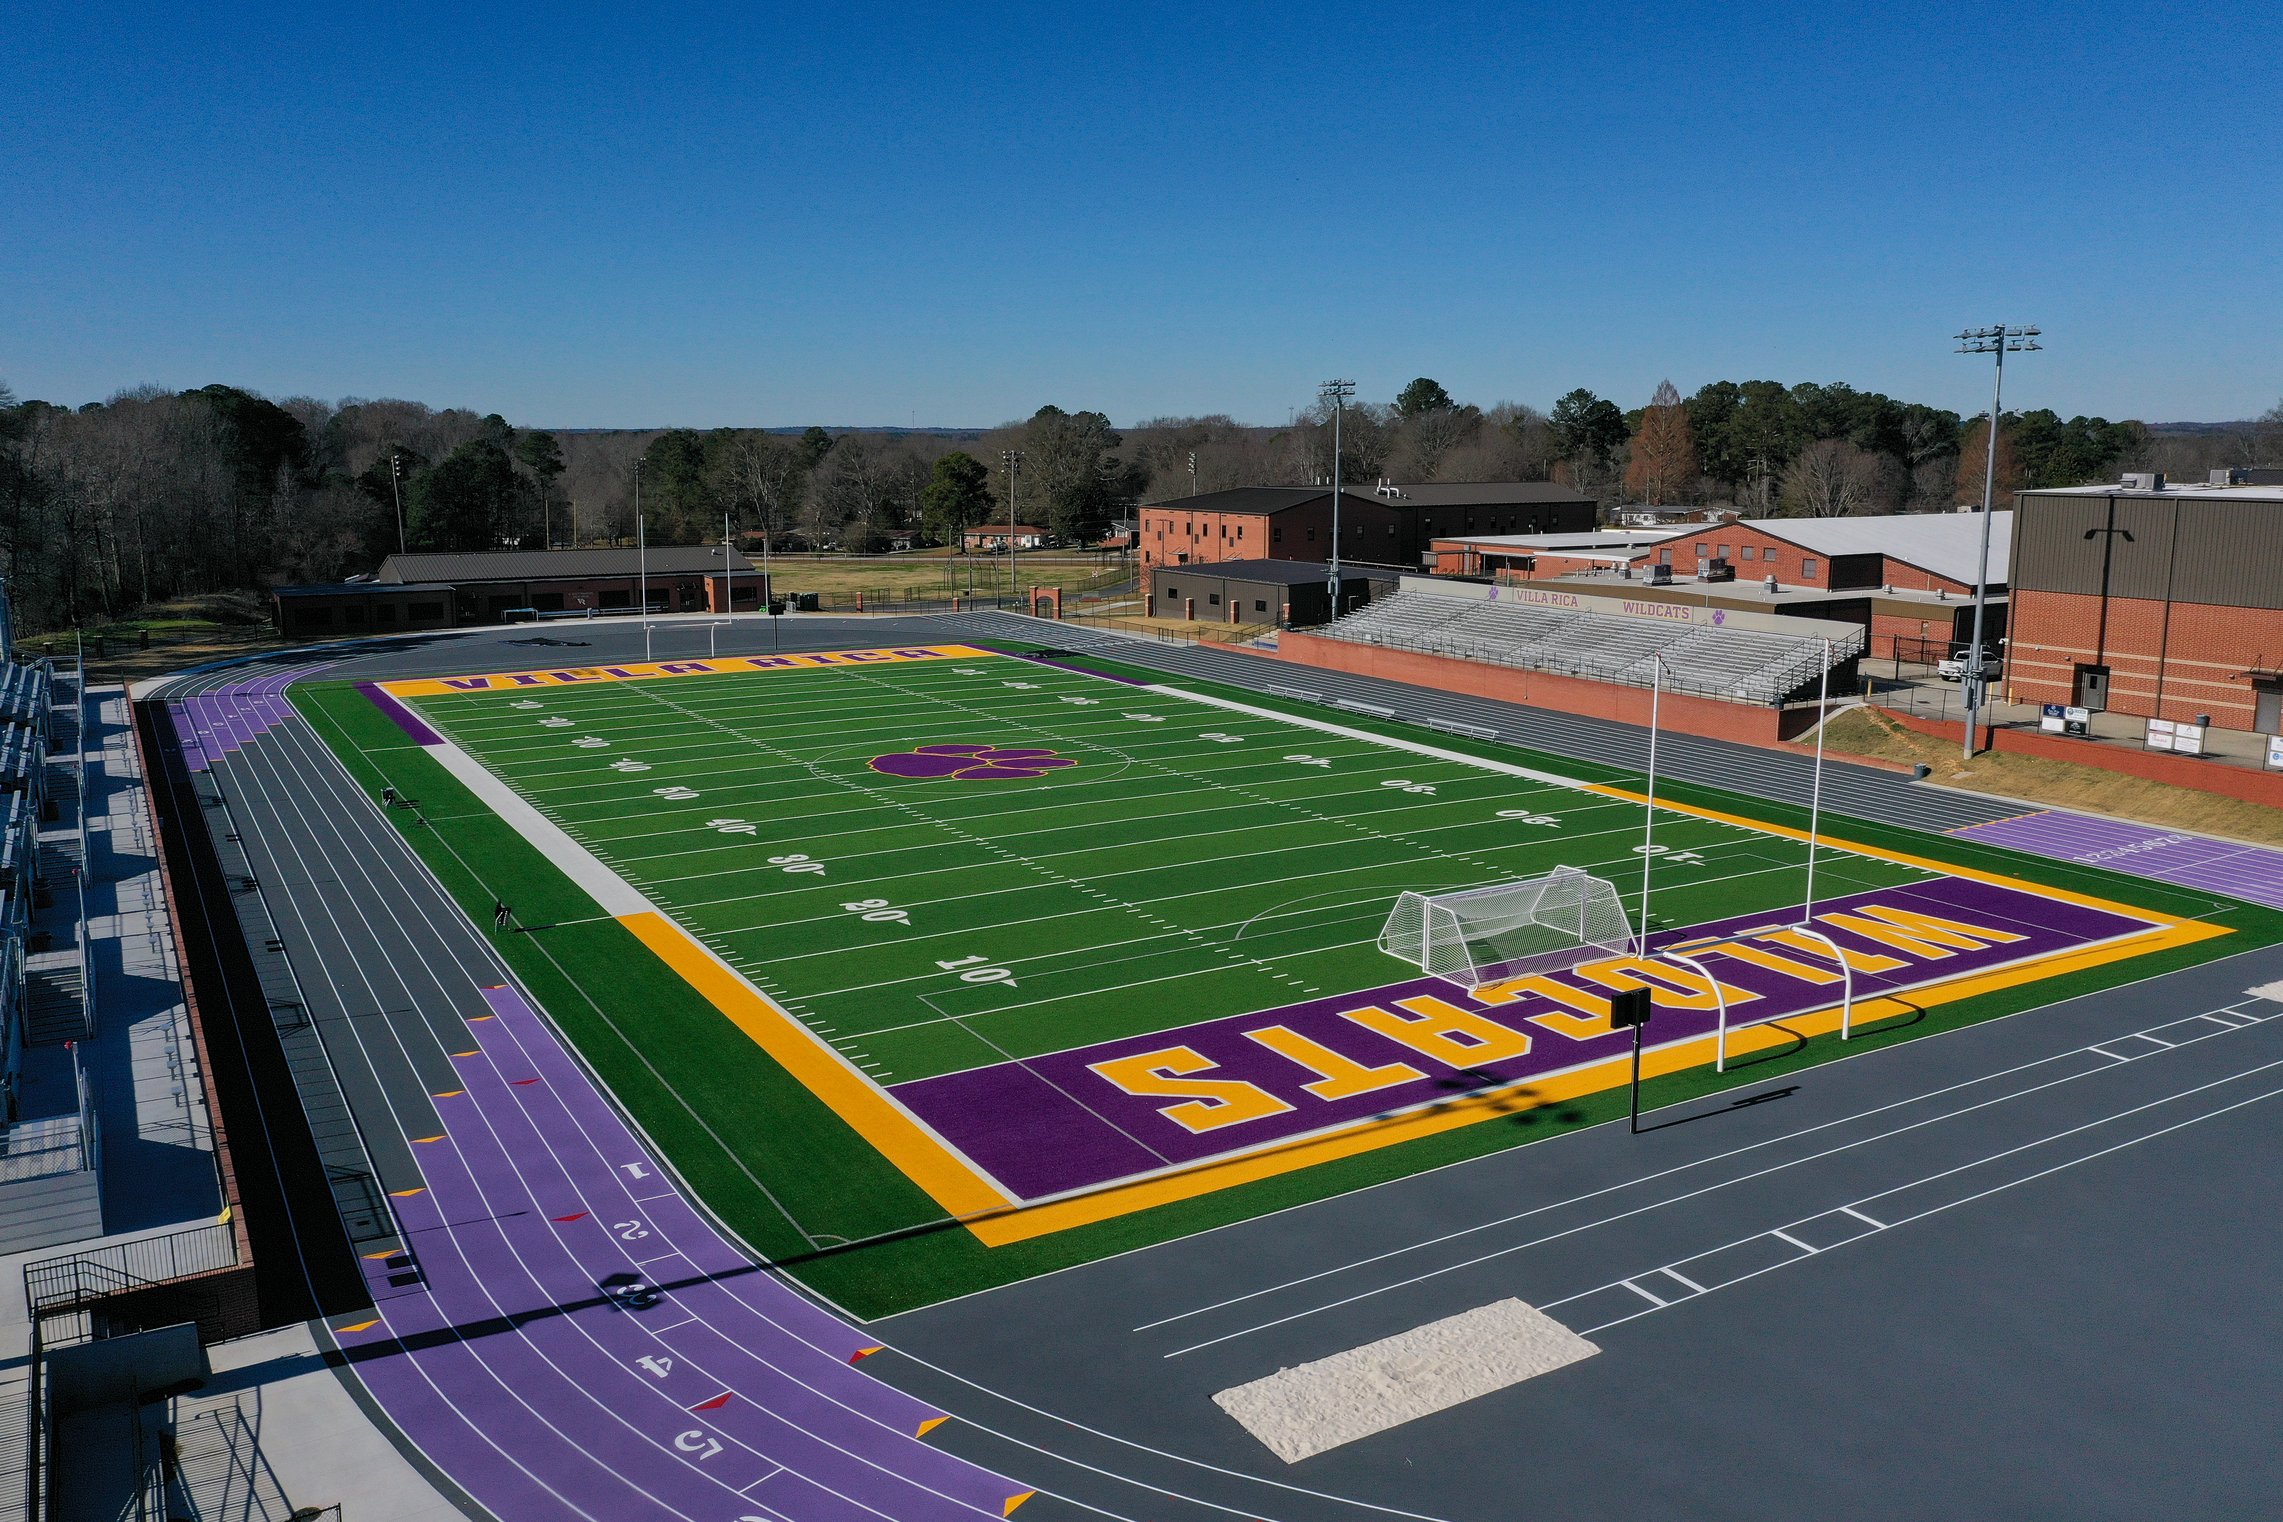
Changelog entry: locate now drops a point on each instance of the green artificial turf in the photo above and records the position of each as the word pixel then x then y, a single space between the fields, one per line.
pixel 1112 893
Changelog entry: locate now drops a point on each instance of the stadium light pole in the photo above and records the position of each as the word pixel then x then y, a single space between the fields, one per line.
pixel 1336 392
pixel 1014 462
pixel 1997 341
pixel 396 490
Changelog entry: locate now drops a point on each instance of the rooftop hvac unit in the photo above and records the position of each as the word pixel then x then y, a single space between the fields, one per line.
pixel 1660 575
pixel 1719 570
pixel 1770 583
pixel 2144 480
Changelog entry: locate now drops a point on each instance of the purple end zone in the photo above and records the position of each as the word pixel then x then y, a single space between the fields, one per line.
pixel 1054 1123
pixel 403 717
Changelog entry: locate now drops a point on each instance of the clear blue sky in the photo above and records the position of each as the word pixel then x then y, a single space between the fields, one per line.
pixel 858 215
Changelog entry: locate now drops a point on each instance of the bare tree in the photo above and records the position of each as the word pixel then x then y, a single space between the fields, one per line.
pixel 1662 467
pixel 1831 478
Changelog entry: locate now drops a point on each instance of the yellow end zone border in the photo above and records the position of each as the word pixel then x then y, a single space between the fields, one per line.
pixel 996 1219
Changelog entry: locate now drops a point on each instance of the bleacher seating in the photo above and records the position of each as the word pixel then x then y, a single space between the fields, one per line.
pixel 1748 665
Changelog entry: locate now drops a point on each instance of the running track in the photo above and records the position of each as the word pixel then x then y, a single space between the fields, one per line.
pixel 564 1334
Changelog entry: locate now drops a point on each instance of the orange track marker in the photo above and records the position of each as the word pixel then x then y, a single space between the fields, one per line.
pixel 1015 1501
pixel 861 1354
pixel 468 1054
pixel 930 1425
pixel 405 1194
pixel 420 1141
pixel 472 1019
pixel 359 1326
pixel 451 1094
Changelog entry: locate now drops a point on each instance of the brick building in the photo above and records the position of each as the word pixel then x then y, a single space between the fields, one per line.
pixel 1287 593
pixel 1907 578
pixel 2154 599
pixel 1389 524
pixel 488 584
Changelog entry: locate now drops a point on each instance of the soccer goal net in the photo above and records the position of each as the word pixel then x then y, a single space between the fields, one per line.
pixel 1508 930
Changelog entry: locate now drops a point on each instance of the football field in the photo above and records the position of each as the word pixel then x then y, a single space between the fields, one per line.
pixel 1062 945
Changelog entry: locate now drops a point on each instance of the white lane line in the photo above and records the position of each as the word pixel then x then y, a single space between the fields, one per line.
pixel 1984 1194
pixel 1653 1299
pixel 1866 1220
pixel 1796 1242
pixel 1682 1279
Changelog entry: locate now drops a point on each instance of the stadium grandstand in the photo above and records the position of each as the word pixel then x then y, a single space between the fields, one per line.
pixel 1606 639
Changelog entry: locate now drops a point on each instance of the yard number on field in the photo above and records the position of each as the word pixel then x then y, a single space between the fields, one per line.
pixel 798 864
pixel 975 973
pixel 1305 759
pixel 676 794
pixel 1147 718
pixel 1407 785
pixel 1219 738
pixel 630 766
pixel 878 910
pixel 557 722
pixel 732 827
pixel 1666 853
pixel 1524 816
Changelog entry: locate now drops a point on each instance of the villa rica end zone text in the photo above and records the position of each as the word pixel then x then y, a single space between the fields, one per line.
pixel 1076 1120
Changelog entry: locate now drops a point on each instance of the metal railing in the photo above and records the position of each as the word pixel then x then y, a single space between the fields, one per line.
pixel 76 1281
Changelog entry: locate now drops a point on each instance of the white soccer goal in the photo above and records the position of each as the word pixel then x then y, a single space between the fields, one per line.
pixel 1475 936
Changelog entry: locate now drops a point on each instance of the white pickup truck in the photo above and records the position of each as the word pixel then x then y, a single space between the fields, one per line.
pixel 1954 668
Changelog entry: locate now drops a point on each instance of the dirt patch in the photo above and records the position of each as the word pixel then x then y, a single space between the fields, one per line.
pixel 2062 784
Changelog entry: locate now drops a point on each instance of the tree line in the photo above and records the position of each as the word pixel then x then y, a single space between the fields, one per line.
pixel 154 495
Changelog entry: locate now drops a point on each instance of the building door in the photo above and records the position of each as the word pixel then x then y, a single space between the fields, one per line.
pixel 2093 688
pixel 2267 707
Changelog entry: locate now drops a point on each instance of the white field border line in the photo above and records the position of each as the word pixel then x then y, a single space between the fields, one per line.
pixel 1303 1138
pixel 1881 1227
pixel 618 897
pixel 1508 1250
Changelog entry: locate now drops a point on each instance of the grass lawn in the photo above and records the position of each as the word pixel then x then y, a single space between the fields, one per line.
pixel 1140 864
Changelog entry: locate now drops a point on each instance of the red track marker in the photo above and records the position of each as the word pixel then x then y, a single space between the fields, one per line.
pixel 578 1216
pixel 715 1404
pixel 520 1082
pixel 861 1354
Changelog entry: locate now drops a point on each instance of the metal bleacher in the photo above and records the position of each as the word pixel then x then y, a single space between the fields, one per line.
pixel 1745 665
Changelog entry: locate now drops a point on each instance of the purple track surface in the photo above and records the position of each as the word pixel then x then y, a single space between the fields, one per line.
pixel 567 1336
pixel 210 725
pixel 551 1258
pixel 2192 861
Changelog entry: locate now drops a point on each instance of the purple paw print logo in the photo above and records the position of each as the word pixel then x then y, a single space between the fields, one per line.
pixel 970 763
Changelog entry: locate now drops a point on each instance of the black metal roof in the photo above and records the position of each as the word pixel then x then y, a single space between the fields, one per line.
pixel 359 588
pixel 1259 499
pixel 557 565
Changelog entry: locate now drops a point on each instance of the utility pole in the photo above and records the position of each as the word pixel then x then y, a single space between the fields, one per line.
pixel 1014 459
pixel 395 476
pixel 1996 341
pixel 1336 392
pixel 1192 472
pixel 641 561
pixel 728 587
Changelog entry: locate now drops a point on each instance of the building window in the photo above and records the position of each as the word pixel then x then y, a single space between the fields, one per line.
pixel 1240 531
pixel 1751 553
pixel 1173 591
pixel 1311 536
pixel 1276 536
pixel 1807 569
pixel 1664 557
pixel 1213 599
pixel 1724 552
pixel 1258 606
